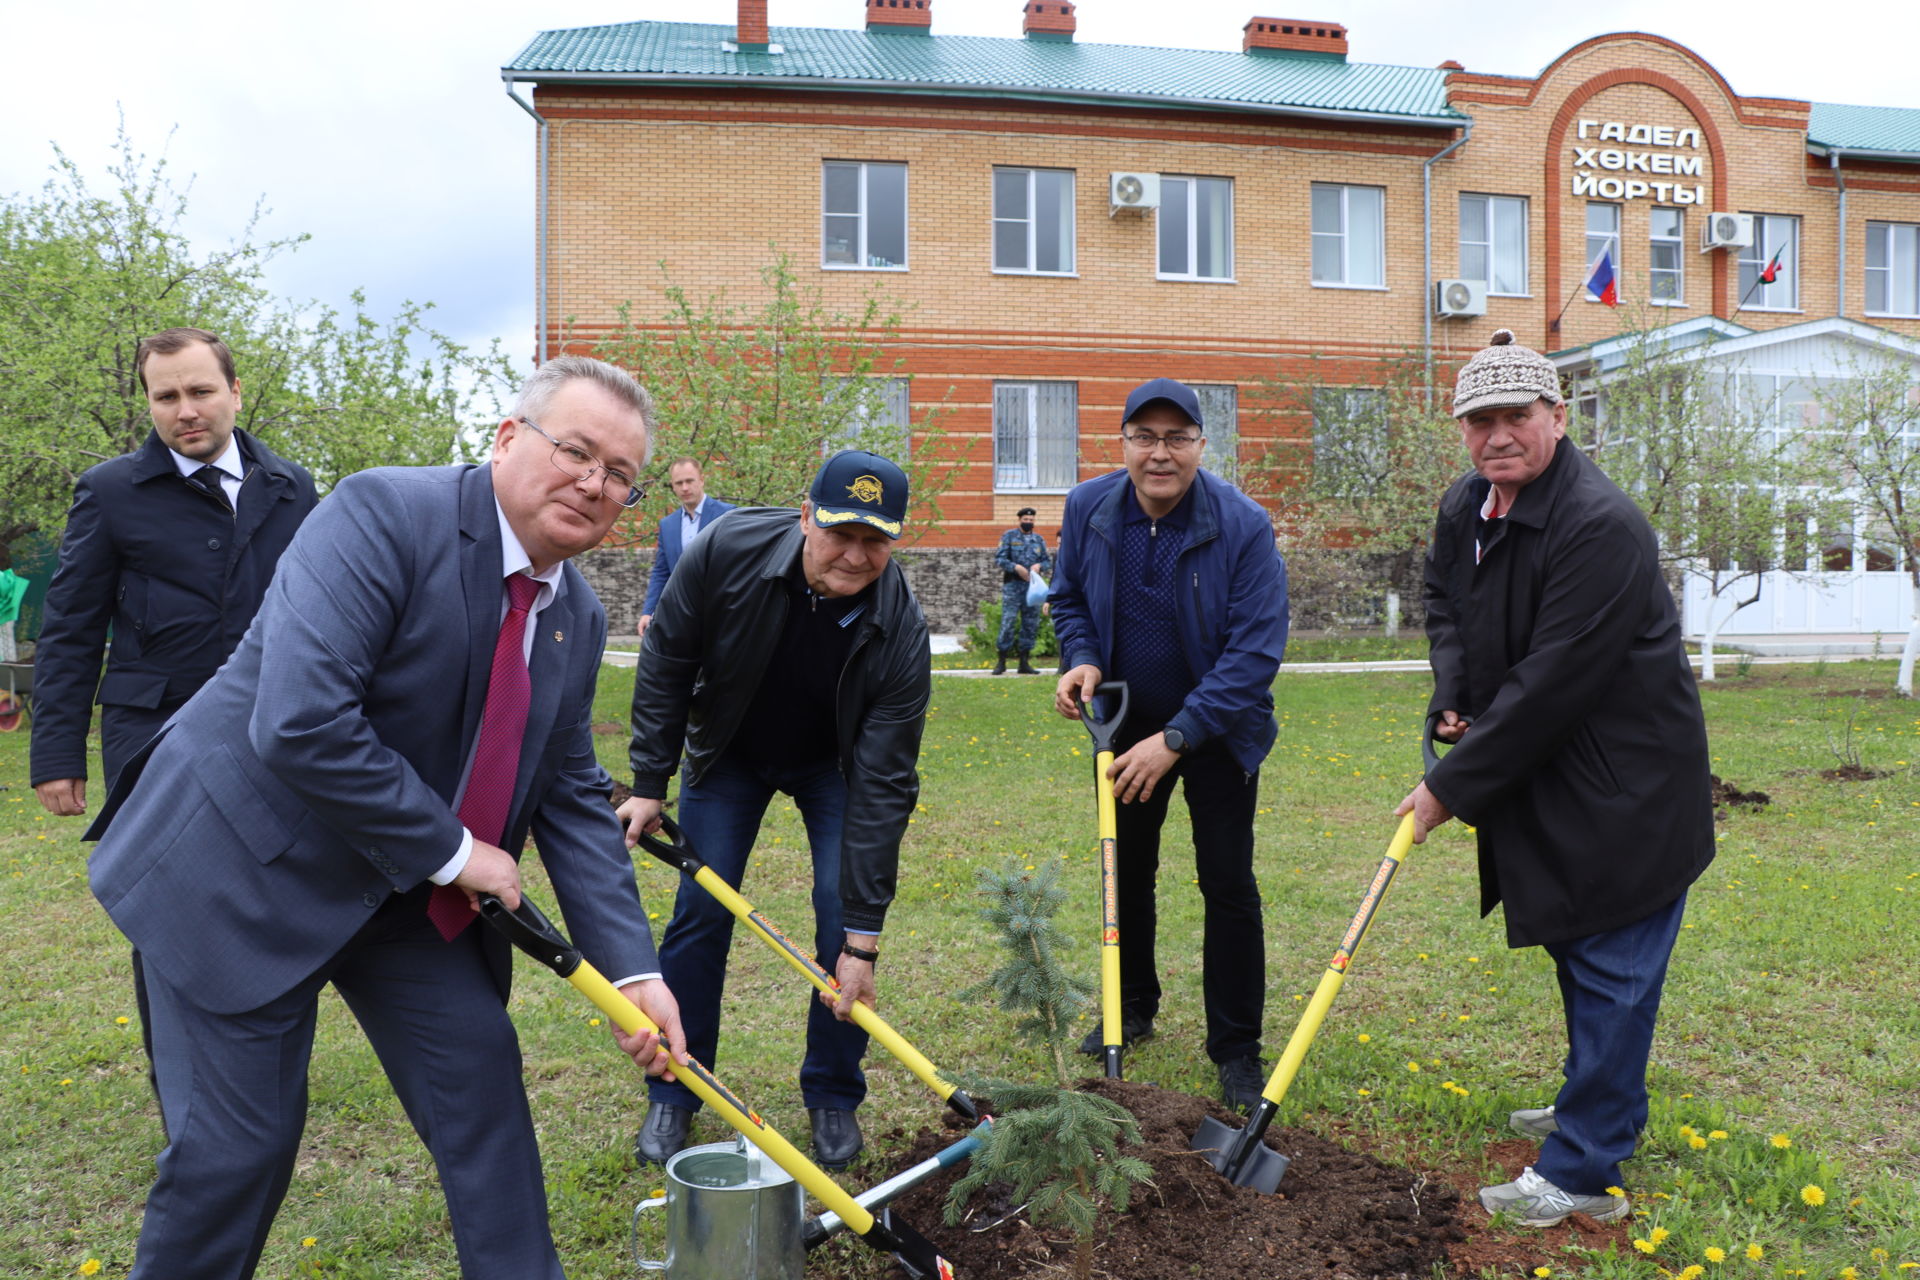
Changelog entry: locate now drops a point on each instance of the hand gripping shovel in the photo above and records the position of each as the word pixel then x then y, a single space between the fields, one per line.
pixel 679 854
pixel 1240 1155
pixel 1104 731
pixel 534 934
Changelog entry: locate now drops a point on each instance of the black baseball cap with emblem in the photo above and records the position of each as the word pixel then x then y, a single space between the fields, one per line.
pixel 856 485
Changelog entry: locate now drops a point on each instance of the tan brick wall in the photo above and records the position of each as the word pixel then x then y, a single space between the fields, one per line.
pixel 702 181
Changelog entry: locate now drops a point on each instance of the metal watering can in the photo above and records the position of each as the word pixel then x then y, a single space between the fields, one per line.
pixel 731 1215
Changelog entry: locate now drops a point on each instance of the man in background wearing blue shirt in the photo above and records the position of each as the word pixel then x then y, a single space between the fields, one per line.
pixel 1168 579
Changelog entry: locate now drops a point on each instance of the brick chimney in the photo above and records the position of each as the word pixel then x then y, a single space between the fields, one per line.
pixel 1048 20
pixel 900 17
pixel 750 31
pixel 1295 36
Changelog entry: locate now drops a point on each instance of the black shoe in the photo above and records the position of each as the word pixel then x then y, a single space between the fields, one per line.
pixel 1026 668
pixel 664 1134
pixel 1241 1080
pixel 1000 667
pixel 1133 1029
pixel 836 1137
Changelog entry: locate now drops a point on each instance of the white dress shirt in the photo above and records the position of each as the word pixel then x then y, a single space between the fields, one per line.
pixel 232 464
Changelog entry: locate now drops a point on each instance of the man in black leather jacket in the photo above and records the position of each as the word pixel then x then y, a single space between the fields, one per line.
pixel 787 655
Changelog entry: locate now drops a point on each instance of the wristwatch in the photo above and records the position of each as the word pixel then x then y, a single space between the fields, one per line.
pixel 1176 740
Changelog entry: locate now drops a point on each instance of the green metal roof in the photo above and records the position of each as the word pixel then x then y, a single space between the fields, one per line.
pixel 1054 69
pixel 1894 130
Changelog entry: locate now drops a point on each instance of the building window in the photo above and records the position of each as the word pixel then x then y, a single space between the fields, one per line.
pixel 1220 406
pixel 1666 230
pixel 1603 236
pixel 1893 269
pixel 1036 436
pixel 863 216
pixel 1349 236
pixel 1350 440
pixel 1033 221
pixel 1774 236
pixel 1493 242
pixel 1196 228
pixel 877 417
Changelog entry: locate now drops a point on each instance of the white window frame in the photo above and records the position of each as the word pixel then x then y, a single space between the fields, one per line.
pixel 1068 210
pixel 1220 406
pixel 1344 237
pixel 1900 259
pixel 896 397
pixel 862 216
pixel 1023 475
pixel 1677 245
pixel 1191 183
pixel 1596 242
pixel 1482 237
pixel 1783 294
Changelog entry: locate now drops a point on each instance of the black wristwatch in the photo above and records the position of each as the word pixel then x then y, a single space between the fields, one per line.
pixel 1176 740
pixel 859 953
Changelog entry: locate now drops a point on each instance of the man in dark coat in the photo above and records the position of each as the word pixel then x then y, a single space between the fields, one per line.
pixel 1580 756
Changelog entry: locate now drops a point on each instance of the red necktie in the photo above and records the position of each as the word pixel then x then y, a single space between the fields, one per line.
pixel 496 760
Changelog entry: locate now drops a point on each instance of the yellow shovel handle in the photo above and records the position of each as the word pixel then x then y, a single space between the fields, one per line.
pixel 1109 902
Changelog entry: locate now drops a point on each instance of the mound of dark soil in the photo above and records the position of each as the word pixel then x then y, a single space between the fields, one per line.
pixel 1339 1214
pixel 1852 773
pixel 1727 797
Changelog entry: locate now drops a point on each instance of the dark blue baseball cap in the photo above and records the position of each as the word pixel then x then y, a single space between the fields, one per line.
pixel 1177 394
pixel 856 485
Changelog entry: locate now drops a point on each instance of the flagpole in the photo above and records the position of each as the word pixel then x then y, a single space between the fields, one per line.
pixel 1767 276
pixel 1577 291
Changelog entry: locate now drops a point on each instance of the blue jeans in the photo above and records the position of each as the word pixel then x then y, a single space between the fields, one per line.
pixel 1016 612
pixel 1610 985
pixel 721 818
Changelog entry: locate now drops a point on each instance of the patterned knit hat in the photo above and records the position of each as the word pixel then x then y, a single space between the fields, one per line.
pixel 1504 374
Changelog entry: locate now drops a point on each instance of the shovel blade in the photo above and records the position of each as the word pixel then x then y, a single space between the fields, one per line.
pixel 914 1251
pixel 1258 1165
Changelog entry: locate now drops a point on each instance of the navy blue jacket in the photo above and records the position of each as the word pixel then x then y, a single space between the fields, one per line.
pixel 668 548
pixel 176 575
pixel 1232 613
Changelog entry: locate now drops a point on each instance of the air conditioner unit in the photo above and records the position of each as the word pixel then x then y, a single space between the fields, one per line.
pixel 1727 231
pixel 1453 298
pixel 1133 191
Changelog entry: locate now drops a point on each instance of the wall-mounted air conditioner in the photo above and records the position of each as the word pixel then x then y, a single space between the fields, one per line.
pixel 1133 191
pixel 1456 298
pixel 1726 231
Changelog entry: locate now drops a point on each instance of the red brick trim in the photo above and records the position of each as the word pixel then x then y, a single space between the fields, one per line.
pixel 1556 146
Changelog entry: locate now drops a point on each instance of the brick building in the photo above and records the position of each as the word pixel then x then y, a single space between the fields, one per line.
pixel 1065 219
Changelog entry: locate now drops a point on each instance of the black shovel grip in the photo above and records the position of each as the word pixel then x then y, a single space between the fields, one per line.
pixel 1104 731
pixel 1429 740
pixel 674 849
pixel 529 929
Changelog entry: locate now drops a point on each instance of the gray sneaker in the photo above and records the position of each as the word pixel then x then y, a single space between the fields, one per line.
pixel 1535 1123
pixel 1532 1201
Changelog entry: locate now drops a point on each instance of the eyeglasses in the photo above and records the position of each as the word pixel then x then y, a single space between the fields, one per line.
pixel 1176 441
pixel 571 459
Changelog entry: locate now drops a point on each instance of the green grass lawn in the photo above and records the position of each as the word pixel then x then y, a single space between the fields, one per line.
pixel 1790 1017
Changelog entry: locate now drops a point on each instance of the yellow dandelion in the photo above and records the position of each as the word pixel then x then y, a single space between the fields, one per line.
pixel 1718 1135
pixel 90 1267
pixel 1849 1273
pixel 1412 1065
pixel 1696 1142
pixel 68 1080
pixel 593 1022
pixel 1878 1255
pixel 1693 1272
pixel 1714 1253
pixel 1543 1272
pixel 1617 1191
pixel 1812 1196
pixel 1755 1253
pixel 1907 1266
pixel 1686 1131
pixel 1365 1038
pixel 1659 1235
pixel 1645 1246
pixel 122 1020
pixel 309 1241
pixel 1365 1093
pixel 1781 1140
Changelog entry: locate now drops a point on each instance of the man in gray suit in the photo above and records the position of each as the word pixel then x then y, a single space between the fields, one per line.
pixel 413 700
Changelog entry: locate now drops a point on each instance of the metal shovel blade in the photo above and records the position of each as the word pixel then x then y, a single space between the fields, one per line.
pixel 1240 1155
pixel 912 1250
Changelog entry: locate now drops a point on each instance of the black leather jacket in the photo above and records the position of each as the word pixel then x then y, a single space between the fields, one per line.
pixel 707 649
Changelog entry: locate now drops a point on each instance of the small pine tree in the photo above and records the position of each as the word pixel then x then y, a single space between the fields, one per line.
pixel 1057 1149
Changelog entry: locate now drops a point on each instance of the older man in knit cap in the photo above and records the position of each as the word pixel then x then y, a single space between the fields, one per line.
pixel 1580 754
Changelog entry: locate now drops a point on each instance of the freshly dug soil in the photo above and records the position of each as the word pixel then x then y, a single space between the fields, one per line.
pixel 1339 1215
pixel 1852 773
pixel 1727 797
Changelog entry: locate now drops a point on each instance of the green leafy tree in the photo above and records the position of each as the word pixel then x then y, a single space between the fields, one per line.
pixel 84 275
pixel 760 394
pixel 1871 438
pixel 1057 1150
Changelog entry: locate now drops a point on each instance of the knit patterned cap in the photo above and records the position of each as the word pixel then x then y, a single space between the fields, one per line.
pixel 1505 374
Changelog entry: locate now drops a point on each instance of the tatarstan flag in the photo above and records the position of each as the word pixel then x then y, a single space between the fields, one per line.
pixel 1600 282
pixel 1772 272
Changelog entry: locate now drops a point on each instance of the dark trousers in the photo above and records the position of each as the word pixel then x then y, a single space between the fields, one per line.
pixel 234 1087
pixel 123 731
pixel 1610 985
pixel 721 818
pixel 1019 621
pixel 1221 798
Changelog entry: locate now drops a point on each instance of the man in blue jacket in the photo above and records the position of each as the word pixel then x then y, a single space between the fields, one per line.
pixel 696 512
pixel 1168 578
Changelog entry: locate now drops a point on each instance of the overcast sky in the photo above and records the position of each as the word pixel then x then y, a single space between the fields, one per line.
pixel 384 131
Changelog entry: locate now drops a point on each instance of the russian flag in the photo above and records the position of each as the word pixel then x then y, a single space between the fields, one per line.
pixel 1600 282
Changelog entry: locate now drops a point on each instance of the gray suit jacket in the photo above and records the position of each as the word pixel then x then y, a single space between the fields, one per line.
pixel 316 774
